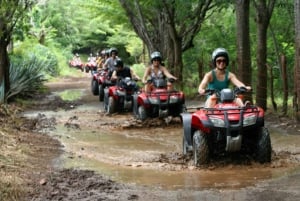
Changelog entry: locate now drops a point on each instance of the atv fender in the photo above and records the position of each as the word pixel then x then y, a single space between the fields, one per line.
pixel 187 129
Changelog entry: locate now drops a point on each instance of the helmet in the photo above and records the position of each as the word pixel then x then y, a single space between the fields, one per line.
pixel 119 63
pixel 107 52
pixel 113 49
pixel 155 55
pixel 219 52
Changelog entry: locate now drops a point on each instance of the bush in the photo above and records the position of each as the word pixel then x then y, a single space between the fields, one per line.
pixel 26 77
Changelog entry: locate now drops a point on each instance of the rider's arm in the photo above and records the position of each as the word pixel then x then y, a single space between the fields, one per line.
pixel 167 73
pixel 133 74
pixel 237 82
pixel 105 65
pixel 146 73
pixel 202 86
pixel 114 75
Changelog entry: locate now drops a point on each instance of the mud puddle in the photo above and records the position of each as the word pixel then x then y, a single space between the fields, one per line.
pixel 152 156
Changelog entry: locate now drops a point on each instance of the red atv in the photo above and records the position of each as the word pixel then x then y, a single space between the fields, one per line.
pixel 160 102
pixel 76 64
pixel 226 128
pixel 90 66
pixel 100 80
pixel 119 98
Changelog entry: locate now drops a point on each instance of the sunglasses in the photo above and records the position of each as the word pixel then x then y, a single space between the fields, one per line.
pixel 221 61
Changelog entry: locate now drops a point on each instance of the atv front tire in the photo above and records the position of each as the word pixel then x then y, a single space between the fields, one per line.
pixel 263 146
pixel 94 87
pixel 111 105
pixel 184 146
pixel 101 92
pixel 200 148
pixel 142 115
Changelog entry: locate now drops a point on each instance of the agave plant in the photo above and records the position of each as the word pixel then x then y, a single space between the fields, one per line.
pixel 26 78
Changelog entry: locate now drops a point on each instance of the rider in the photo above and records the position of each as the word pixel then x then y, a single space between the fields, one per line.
pixel 91 58
pixel 219 78
pixel 109 63
pixel 100 60
pixel 155 71
pixel 122 71
pixel 76 58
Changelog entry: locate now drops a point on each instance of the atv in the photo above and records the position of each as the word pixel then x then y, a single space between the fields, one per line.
pixel 99 81
pixel 225 128
pixel 90 66
pixel 160 102
pixel 118 98
pixel 76 64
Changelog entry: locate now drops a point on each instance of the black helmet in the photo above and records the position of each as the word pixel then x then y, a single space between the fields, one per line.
pixel 219 52
pixel 119 63
pixel 113 49
pixel 155 55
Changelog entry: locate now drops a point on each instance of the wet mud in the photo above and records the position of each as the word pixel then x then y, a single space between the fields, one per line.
pixel 116 157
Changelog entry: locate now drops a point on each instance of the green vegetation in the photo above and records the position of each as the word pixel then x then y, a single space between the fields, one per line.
pixel 52 34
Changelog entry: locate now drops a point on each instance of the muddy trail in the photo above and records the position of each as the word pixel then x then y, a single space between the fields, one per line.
pixel 116 157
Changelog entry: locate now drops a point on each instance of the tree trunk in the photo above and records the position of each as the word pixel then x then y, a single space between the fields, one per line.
pixel 243 42
pixel 264 9
pixel 285 84
pixel 272 88
pixel 297 58
pixel 4 70
pixel 261 58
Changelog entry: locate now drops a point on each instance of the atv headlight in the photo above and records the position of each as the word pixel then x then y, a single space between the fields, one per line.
pixel 217 122
pixel 153 100
pixel 249 120
pixel 174 99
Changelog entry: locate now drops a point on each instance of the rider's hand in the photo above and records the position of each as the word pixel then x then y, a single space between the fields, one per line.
pixel 248 88
pixel 201 91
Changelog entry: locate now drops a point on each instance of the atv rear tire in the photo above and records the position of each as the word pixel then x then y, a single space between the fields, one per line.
pixel 142 115
pixel 101 92
pixel 94 87
pixel 263 146
pixel 200 148
pixel 111 105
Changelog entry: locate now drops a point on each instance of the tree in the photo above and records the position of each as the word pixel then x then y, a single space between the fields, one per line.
pixel 11 12
pixel 297 57
pixel 264 9
pixel 243 41
pixel 168 26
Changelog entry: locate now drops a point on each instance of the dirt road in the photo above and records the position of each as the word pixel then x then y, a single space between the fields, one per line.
pixel 118 158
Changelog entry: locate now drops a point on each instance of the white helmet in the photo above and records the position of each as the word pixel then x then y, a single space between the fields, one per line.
pixel 219 52
pixel 156 55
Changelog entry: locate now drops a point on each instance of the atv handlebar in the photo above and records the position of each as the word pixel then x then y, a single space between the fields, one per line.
pixel 237 90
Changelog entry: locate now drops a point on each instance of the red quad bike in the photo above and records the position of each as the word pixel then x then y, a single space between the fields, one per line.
pixel 160 102
pixel 226 128
pixel 90 66
pixel 100 80
pixel 76 64
pixel 118 98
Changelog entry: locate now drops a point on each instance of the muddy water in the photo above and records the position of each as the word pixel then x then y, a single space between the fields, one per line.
pixel 152 156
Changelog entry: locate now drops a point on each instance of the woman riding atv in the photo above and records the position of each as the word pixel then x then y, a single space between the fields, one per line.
pixel 219 78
